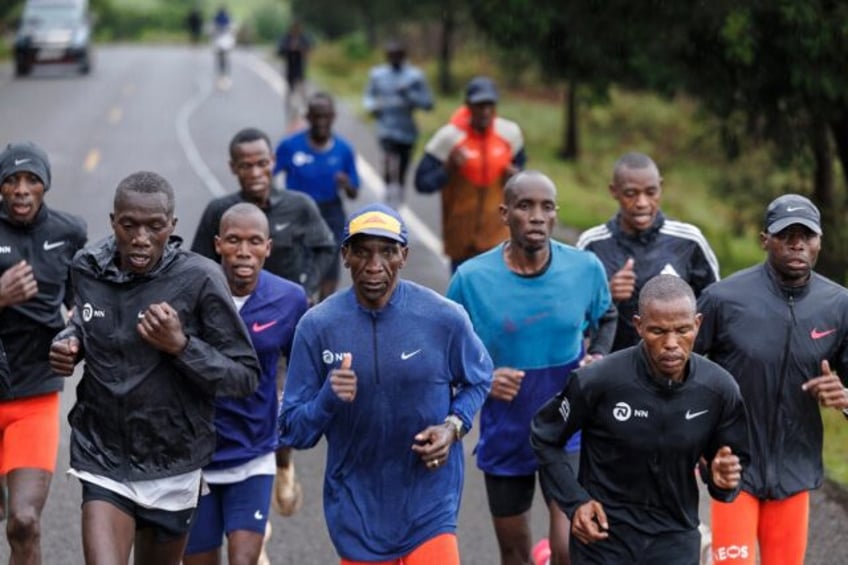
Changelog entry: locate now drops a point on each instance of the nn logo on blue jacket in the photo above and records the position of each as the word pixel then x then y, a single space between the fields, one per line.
pixel 329 357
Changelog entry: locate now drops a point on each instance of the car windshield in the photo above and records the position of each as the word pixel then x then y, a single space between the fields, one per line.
pixel 52 15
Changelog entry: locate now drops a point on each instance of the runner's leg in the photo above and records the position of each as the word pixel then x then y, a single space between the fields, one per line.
pixel 783 529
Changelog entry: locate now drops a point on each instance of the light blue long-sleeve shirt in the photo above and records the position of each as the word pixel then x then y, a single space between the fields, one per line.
pixel 392 95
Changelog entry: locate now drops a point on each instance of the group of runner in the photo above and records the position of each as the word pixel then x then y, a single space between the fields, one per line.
pixel 185 360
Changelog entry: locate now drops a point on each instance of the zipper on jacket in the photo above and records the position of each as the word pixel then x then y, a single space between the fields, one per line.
pixel 772 463
pixel 374 347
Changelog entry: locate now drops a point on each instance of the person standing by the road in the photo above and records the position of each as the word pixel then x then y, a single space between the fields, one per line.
pixel 241 474
pixel 304 247
pixel 293 48
pixel 223 39
pixel 639 242
pixel 535 344
pixel 37 244
pixel 469 160
pixel 391 374
pixel 160 337
pixel 194 24
pixel 394 91
pixel 323 165
pixel 781 329
pixel 647 415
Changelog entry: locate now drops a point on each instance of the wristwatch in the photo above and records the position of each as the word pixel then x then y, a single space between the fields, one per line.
pixel 455 422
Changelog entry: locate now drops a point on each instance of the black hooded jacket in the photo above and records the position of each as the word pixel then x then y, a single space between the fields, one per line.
pixel 141 413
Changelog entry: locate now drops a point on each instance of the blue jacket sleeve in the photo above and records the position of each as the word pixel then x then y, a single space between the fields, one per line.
pixel 472 369
pixel 418 94
pixel 309 403
pixel 430 175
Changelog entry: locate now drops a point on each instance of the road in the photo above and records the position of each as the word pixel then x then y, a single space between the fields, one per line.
pixel 156 108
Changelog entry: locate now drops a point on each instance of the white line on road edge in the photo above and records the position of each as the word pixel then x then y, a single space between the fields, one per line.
pixel 189 148
pixel 372 179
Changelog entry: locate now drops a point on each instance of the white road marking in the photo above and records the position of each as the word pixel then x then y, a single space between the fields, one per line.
pixel 189 148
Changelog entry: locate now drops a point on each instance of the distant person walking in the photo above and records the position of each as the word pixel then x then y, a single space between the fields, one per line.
pixel 639 242
pixel 194 24
pixel 37 243
pixel 321 164
pixel 394 91
pixel 293 48
pixel 470 160
pixel 223 41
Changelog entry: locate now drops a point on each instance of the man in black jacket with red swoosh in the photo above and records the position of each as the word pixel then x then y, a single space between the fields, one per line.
pixel 782 331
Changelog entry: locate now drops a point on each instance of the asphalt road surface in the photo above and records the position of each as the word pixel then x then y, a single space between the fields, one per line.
pixel 159 109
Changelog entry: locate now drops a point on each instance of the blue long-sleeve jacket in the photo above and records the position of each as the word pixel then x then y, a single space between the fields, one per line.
pixel 417 360
pixel 392 95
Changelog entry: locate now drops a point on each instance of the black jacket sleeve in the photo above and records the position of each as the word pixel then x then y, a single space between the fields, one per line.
pixel 321 244
pixel 601 339
pixel 732 431
pixel 207 229
pixel 559 419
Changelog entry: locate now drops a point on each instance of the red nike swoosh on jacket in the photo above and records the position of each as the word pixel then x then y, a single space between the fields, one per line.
pixel 815 334
pixel 257 327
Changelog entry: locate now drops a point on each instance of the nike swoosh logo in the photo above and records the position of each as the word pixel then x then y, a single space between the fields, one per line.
pixel 48 246
pixel 404 355
pixel 815 334
pixel 19 162
pixel 281 227
pixel 257 328
pixel 794 209
pixel 258 515
pixel 691 415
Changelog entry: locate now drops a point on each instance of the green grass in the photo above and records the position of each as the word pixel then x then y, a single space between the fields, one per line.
pixel 835 446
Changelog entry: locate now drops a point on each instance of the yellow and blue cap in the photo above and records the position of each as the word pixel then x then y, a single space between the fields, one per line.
pixel 376 219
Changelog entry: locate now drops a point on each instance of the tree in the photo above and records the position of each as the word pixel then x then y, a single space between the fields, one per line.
pixel 780 65
pixel 588 44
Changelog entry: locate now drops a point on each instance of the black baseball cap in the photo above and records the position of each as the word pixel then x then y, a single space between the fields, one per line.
pixel 792 209
pixel 27 157
pixel 480 90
